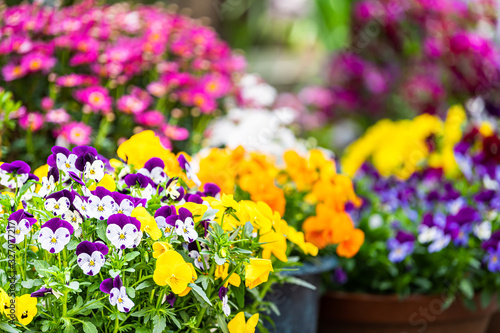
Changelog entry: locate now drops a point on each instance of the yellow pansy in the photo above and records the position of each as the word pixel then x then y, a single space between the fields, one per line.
pixel 221 272
pixel 239 325
pixel 12 195
pixel 273 243
pixel 148 223
pixel 159 248
pixel 196 209
pixel 250 213
pixel 26 309
pixel 172 270
pixel 297 238
pixel 107 182
pixel 4 302
pixel 257 272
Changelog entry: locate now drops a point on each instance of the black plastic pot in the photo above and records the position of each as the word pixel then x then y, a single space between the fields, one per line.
pixel 298 305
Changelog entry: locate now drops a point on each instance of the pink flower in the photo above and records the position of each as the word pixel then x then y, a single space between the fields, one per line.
pixel 157 89
pixel 76 133
pixel 135 103
pixel 58 116
pixel 71 80
pixel 47 103
pixel 32 120
pixel 216 85
pixel 34 62
pixel 200 99
pixel 150 118
pixel 97 98
pixel 12 72
pixel 174 132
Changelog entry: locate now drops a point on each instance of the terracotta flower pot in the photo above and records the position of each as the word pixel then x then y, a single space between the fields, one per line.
pixel 363 313
pixel 494 326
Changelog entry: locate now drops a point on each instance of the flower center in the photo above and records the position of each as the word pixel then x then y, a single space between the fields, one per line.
pixel 120 211
pixel 92 263
pixel 56 206
pixel 92 172
pixel 100 208
pixel 122 236
pixel 67 165
pixel 185 230
pixel 83 208
pixel 18 231
pixel 24 314
pixel 120 300
pixel 53 240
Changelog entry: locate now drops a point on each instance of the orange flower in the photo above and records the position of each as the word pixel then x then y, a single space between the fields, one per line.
pixel 351 246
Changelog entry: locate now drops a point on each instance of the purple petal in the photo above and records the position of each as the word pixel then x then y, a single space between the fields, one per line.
pixel 85 247
pixel 211 189
pixel 153 163
pixel 106 286
pixel 117 282
pixel 184 213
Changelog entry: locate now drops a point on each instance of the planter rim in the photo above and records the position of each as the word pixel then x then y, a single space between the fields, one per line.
pixel 316 265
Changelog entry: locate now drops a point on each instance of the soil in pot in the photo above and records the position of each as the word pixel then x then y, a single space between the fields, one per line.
pixel 362 313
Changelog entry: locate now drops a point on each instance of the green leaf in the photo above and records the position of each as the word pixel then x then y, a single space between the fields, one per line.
pixel 240 295
pixel 485 299
pixel 204 280
pixel 299 282
pixel 143 285
pixel 160 323
pixel 175 320
pixel 131 256
pixel 72 244
pixel 466 288
pixel 7 328
pixel 130 292
pixel 74 285
pixel 88 327
pixel 41 265
pixel 221 321
pixel 101 230
pixel 28 283
pixel 200 292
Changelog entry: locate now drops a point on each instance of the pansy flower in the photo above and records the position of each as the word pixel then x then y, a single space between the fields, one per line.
pixel 75 219
pixel 94 170
pixel 14 174
pixel 440 241
pixel 90 256
pixel 401 246
pixel 200 261
pixel 25 308
pixel 161 218
pixel 187 168
pixel 117 293
pixel 20 222
pixel 59 202
pixel 125 204
pixel 154 170
pixel 184 225
pixel 65 160
pixel 140 185
pixel 483 230
pixel 42 292
pixel 55 234
pixel 223 297
pixel 82 205
pixel 101 204
pixel 122 231
pixel 173 190
pixel 49 182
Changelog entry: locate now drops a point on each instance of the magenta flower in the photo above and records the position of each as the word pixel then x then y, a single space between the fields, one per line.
pixel 97 98
pixel 32 121
pixel 34 62
pixel 57 116
pixel 175 133
pixel 150 118
pixel 13 72
pixel 76 133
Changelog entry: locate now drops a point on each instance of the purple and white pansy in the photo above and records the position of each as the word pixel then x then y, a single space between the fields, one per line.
pixel 117 293
pixel 401 246
pixel 123 231
pixel 223 297
pixel 101 204
pixel 154 170
pixel 18 226
pixel 90 256
pixel 184 225
pixel 55 234
pixel 64 161
pixel 140 185
pixel 161 218
pixel 187 168
pixel 173 190
pixel 15 174
pixel 59 202
pixel 49 182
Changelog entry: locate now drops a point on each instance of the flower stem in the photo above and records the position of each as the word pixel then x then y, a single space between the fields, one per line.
pixel 117 325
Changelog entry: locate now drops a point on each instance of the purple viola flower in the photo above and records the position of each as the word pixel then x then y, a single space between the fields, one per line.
pixel 171 298
pixel 173 190
pixel 401 246
pixel 223 297
pixel 153 169
pixel 117 293
pixel 49 182
pixel 101 204
pixel 211 190
pixel 76 179
pixel 90 256
pixel 140 185
pixel 199 259
pixel 493 242
pixel 184 225
pixel 493 260
pixel 193 198
pixel 59 202
pixel 339 276
pixel 15 174
pixel 55 234
pixel 187 168
pixel 125 204
pixel 441 240
pixel 82 205
pixel 20 222
pixel 64 160
pixel 123 231
pixel 162 219
pixel 42 292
